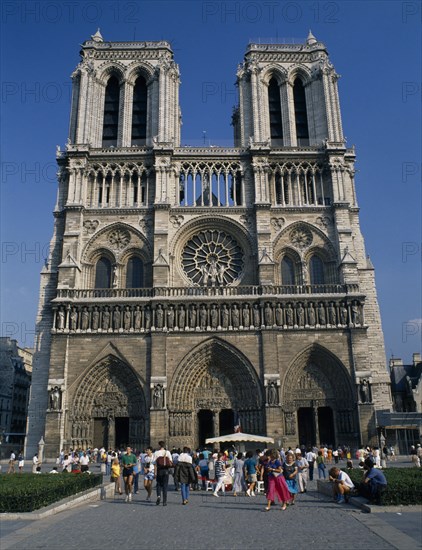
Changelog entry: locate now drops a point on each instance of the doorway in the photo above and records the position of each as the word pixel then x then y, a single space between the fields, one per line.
pixel 326 426
pixel 100 433
pixel 306 422
pixel 205 426
pixel 226 421
pixel 122 431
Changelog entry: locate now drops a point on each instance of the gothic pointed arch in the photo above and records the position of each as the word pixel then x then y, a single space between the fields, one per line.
pixel 318 372
pixel 109 389
pixel 215 375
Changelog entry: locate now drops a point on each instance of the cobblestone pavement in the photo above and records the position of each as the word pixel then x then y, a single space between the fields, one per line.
pixel 207 522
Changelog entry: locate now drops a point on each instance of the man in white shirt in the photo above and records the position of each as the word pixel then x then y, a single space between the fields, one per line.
pixel 311 457
pixel 342 485
pixel 162 463
pixel 12 459
pixel 84 462
pixel 35 464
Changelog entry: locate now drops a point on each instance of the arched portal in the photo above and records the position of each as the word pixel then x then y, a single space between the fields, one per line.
pixel 108 408
pixel 319 400
pixel 212 385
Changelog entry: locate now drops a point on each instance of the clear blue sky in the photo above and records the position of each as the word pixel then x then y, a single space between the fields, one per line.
pixel 375 46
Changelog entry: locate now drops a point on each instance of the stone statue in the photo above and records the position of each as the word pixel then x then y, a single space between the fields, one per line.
pixel 214 316
pixel 55 399
pixel 85 319
pixel 256 315
pixel 61 319
pixel 311 315
pixel 170 317
pixel 364 391
pixel 290 423
pixel 278 315
pixel 116 318
pixel 246 316
pixel 343 314
pixel 182 317
pixel 268 314
pixel 203 317
pixel 289 316
pixel 225 317
pixel 272 393
pixel 115 281
pixel 332 317
pixel 300 316
pixel 127 318
pixel 159 316
pixel 95 319
pixel 105 324
pixel 355 314
pixel 147 318
pixel 137 318
pixel 73 319
pixel 321 314
pixel 220 275
pixel 158 396
pixel 235 317
pixel 192 316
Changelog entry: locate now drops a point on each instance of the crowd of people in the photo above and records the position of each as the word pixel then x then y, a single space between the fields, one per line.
pixel 280 474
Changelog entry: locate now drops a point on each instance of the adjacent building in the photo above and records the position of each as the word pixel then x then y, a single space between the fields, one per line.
pixel 192 288
pixel 15 384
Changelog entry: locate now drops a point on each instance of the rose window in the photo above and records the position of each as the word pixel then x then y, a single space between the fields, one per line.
pixel 119 238
pixel 301 237
pixel 212 258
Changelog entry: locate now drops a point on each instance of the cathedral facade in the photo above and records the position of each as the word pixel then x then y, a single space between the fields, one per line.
pixel 189 289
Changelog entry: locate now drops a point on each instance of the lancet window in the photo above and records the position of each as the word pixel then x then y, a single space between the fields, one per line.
pixel 139 112
pixel 134 273
pixel 211 184
pixel 301 115
pixel 276 122
pixel 301 184
pixel 103 273
pixel 111 112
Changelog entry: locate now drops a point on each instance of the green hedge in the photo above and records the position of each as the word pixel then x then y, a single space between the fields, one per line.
pixel 404 485
pixel 28 492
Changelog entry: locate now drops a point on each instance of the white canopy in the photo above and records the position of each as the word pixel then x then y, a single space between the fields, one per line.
pixel 239 436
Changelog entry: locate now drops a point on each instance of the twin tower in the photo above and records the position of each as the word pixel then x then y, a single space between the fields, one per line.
pixel 192 288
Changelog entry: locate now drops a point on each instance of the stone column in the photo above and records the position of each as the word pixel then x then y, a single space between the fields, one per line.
pixel 216 421
pixel 111 436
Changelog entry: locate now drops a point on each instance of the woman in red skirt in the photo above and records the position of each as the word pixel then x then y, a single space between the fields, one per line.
pixel 276 482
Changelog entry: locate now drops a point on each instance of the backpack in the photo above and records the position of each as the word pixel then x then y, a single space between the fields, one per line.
pixel 164 463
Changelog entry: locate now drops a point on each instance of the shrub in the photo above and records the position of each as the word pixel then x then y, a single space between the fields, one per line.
pixel 404 485
pixel 28 492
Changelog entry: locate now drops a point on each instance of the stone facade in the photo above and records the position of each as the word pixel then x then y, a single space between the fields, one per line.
pixel 189 286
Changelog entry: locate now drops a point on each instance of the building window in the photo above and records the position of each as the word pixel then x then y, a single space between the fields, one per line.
pixel 135 273
pixel 139 113
pixel 103 273
pixel 276 122
pixel 301 115
pixel 317 271
pixel 288 271
pixel 111 112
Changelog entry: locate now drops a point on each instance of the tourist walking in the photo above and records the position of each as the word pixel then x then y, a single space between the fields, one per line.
pixel 128 463
pixel 184 473
pixel 21 462
pixel 250 473
pixel 290 471
pixel 12 459
pixel 302 475
pixel 239 483
pixel 148 465
pixel 311 458
pixel 115 476
pixel 276 483
pixel 321 465
pixel 220 472
pixel 162 463
pixel 203 470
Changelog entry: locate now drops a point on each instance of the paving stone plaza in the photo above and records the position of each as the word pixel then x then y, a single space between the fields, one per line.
pixel 206 522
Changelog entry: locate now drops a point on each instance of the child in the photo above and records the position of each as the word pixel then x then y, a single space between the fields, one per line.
pixel 115 476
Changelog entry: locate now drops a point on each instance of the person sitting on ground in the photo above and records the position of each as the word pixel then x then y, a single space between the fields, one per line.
pixel 374 483
pixel 342 485
pixel 53 471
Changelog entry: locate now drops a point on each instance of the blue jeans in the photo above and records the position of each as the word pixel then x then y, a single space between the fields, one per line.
pixel 185 491
pixel 321 471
